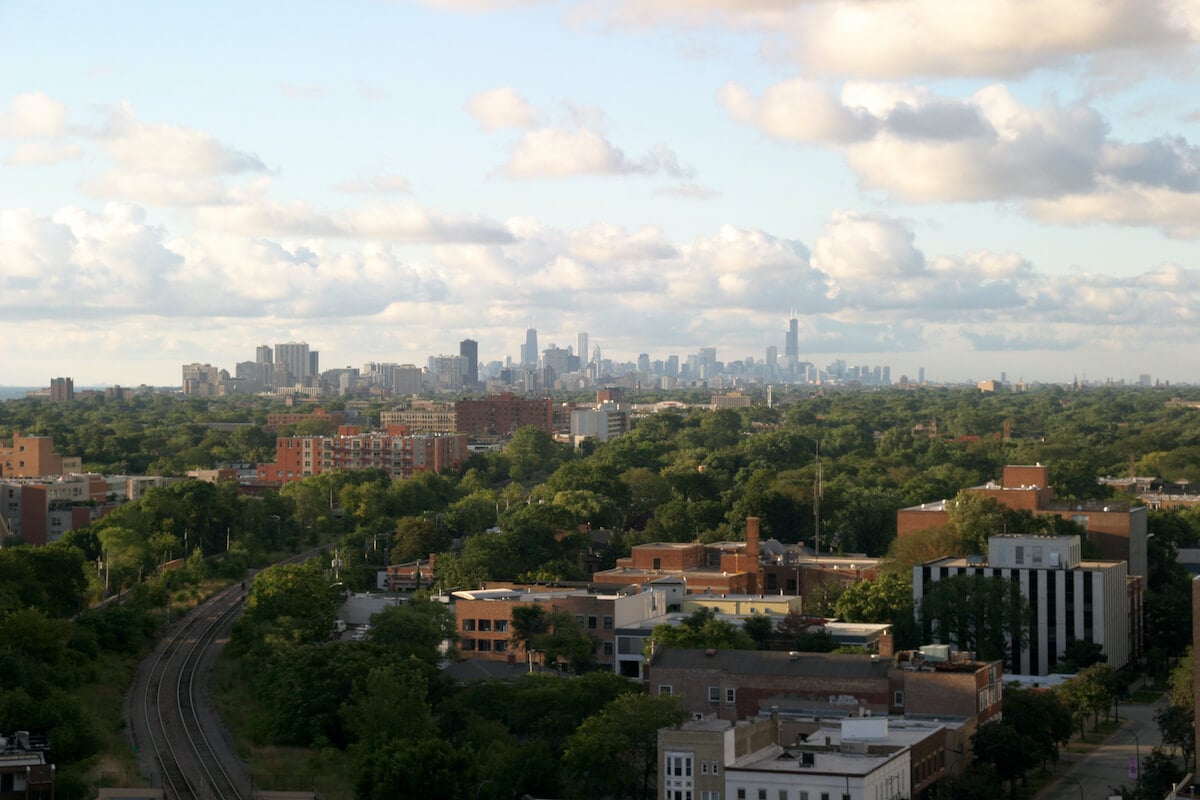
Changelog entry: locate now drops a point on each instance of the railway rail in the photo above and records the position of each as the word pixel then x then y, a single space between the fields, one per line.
pixel 191 764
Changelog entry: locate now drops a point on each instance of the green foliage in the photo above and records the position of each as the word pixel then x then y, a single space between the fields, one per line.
pixel 288 604
pixel 614 754
pixel 1007 750
pixel 701 629
pixel 976 613
pixel 414 630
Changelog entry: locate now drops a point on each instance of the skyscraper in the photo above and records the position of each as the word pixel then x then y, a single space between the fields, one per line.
pixel 791 349
pixel 529 351
pixel 581 350
pixel 469 350
pixel 295 359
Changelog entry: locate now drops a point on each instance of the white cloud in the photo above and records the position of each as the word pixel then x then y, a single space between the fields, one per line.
pixel 918 147
pixel 558 153
pixel 867 247
pixel 799 110
pixel 502 108
pixel 395 223
pixel 1177 214
pixel 33 115
pixel 43 153
pixel 168 165
pixel 383 184
pixel 907 38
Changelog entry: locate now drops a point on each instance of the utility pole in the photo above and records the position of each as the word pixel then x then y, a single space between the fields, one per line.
pixel 817 505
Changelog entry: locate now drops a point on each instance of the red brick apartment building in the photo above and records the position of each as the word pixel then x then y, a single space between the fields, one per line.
pixel 395 452
pixel 503 414
pixel 1117 529
pixel 275 421
pixel 720 567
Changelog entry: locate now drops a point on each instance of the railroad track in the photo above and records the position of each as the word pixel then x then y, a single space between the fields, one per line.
pixel 182 746
pixel 192 765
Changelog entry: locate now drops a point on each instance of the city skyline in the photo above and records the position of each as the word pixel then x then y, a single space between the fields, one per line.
pixel 990 187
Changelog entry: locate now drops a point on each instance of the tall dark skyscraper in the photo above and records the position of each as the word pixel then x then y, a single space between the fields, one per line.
pixel 791 349
pixel 469 350
pixel 529 352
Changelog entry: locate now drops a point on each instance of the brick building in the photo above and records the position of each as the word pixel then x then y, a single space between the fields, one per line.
pixel 872 758
pixel 1117 529
pixel 484 619
pixel 503 414
pixel 40 511
pixel 423 416
pixel 395 452
pixel 279 420
pixel 739 684
pixel 719 567
pixel 34 457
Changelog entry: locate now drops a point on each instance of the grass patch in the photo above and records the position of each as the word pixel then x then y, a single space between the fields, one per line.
pixel 104 700
pixel 275 768
pixel 1147 696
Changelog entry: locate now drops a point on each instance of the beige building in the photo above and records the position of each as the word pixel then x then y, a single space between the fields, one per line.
pixel 34 457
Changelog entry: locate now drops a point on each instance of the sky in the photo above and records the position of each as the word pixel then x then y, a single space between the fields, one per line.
pixel 974 188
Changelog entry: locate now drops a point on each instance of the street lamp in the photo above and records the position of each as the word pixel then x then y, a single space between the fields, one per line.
pixel 1074 781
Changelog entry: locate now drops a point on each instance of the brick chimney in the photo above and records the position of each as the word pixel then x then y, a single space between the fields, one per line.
pixel 752 538
pixel 887 646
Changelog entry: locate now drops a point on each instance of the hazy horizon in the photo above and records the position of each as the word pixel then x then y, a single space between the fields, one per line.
pixel 978 188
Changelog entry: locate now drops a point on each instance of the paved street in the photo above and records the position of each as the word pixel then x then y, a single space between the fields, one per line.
pixel 1092 776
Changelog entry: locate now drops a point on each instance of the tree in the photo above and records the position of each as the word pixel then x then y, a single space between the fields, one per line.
pixel 881 599
pixel 416 629
pixel 614 754
pixel 976 613
pixel 701 629
pixel 759 628
pixel 1080 654
pixel 1006 750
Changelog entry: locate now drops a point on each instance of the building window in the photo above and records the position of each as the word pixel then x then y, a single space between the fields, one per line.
pixel 579 619
pixel 485 645
pixel 501 646
pixel 703 767
pixel 664 688
pixel 783 794
pixel 898 699
pixel 1019 557
pixel 1036 554
pixel 468 624
pixel 714 694
pixel 730 696
pixel 485 625
pixel 608 623
pixel 657 561
pixel 591 623
pixel 762 794
pixel 608 648
pixel 678 775
pixel 716 768
pixel 741 793
pixel 500 626
pixel 468 644
pixel 803 795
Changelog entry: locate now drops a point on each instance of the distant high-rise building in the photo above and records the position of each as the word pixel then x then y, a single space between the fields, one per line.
pixel 596 354
pixel 581 345
pixel 772 365
pixel 62 390
pixel 791 349
pixel 263 355
pixel 643 362
pixel 406 380
pixel 920 376
pixel 469 350
pixel 294 358
pixel 672 367
pixel 529 351
pixel 1144 379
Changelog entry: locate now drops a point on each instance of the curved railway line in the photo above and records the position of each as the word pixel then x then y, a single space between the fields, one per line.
pixel 192 760
pixel 184 747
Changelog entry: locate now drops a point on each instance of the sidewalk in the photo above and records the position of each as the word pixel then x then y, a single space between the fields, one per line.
pixel 1111 764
